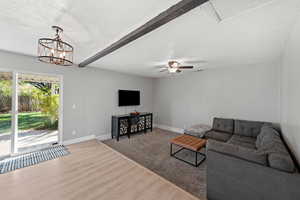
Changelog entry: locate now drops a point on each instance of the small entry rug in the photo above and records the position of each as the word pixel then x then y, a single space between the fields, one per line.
pixel 33 158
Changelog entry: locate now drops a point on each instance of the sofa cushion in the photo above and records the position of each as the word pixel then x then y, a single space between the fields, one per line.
pixel 247 128
pixel 216 135
pixel 279 157
pixel 270 143
pixel 237 151
pixel 224 125
pixel 282 162
pixel 247 142
pixel 266 137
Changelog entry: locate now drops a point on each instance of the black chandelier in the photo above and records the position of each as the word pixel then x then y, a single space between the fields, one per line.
pixel 55 51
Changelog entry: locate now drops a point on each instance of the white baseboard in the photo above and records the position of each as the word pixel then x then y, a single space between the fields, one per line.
pixel 169 128
pixel 77 140
pixel 103 137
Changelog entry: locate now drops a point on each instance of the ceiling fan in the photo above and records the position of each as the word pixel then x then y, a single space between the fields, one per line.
pixel 174 67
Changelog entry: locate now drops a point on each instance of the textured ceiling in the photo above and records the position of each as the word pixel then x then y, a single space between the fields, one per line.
pixel 88 25
pixel 252 31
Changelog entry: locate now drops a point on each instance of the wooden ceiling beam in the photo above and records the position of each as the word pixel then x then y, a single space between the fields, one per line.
pixel 166 16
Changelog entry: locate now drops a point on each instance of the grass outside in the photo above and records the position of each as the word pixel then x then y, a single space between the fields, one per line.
pixel 33 120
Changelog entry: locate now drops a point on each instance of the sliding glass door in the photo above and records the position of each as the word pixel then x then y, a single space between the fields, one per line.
pixel 30 106
pixel 38 111
pixel 5 113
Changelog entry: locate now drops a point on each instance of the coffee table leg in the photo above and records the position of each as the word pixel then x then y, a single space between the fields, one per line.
pixel 196 159
pixel 196 164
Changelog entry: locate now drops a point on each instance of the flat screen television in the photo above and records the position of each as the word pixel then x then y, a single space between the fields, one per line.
pixel 129 98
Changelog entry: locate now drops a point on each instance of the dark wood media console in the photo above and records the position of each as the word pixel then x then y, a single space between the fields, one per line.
pixel 122 125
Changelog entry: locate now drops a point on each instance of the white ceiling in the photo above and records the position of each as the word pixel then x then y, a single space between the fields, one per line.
pixel 252 31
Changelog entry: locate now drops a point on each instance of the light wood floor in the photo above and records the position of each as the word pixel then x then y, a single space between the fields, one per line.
pixel 91 171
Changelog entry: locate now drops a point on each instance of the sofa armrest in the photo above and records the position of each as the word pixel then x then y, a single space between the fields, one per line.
pixel 250 155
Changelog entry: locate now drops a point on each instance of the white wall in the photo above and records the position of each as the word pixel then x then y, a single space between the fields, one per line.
pixel 248 92
pixel 290 91
pixel 93 91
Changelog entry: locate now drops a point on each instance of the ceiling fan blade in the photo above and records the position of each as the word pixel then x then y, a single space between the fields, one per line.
pixel 186 67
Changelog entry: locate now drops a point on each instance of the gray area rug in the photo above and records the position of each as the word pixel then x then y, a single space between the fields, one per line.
pixel 152 150
pixel 25 160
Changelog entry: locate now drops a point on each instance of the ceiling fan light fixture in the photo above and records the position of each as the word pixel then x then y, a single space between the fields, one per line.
pixel 172 70
pixel 54 50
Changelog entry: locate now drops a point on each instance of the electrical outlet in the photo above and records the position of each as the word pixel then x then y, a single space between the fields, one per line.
pixel 74 132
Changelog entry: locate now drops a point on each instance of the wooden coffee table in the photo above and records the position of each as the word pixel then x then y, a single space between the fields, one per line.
pixel 190 143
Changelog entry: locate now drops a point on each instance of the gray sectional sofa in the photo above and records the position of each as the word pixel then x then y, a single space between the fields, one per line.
pixel 248 160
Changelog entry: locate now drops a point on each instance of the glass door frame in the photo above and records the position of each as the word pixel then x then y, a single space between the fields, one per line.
pixel 14 107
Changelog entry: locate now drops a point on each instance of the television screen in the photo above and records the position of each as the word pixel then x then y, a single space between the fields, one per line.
pixel 129 98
